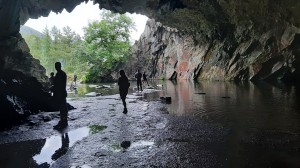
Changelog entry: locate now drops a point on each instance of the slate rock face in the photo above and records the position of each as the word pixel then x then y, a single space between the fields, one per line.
pixel 167 53
pixel 21 96
pixel 15 56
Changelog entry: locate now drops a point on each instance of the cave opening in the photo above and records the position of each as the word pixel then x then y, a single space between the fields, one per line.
pixel 62 37
pixel 208 115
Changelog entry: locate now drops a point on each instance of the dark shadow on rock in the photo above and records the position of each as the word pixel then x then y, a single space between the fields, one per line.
pixel 20 154
pixel 21 96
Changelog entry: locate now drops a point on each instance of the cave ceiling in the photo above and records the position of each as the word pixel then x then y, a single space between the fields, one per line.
pixel 191 16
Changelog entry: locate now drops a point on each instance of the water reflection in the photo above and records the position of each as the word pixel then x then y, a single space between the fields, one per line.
pixel 43 153
pixel 259 105
pixel 262 121
pixel 64 147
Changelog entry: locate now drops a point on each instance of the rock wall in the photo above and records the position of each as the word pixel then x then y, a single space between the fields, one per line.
pixel 15 56
pixel 216 39
pixel 168 53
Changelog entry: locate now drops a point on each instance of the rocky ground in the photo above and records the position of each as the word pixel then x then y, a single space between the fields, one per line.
pixel 148 136
pixel 145 127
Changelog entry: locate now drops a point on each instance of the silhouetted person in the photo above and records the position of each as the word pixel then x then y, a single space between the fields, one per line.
pixel 123 88
pixel 138 77
pixel 51 79
pixel 64 147
pixel 73 83
pixel 145 78
pixel 60 94
pixel 75 79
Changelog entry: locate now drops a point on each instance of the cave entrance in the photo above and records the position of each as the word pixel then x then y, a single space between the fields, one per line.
pixel 74 39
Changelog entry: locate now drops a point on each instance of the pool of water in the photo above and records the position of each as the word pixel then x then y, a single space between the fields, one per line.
pixel 102 89
pixel 43 152
pixel 261 120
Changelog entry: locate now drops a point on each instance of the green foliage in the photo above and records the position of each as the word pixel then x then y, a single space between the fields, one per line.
pixel 106 44
pixel 55 46
pixel 96 128
pixel 103 48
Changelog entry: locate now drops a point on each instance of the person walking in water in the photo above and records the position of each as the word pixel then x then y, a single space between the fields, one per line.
pixel 123 88
pixel 145 78
pixel 138 77
pixel 60 94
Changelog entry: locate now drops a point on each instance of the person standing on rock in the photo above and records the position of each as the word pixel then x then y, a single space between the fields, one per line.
pixel 138 77
pixel 123 88
pixel 60 94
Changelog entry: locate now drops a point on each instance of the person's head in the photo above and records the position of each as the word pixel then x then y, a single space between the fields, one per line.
pixel 52 74
pixel 138 70
pixel 57 66
pixel 122 72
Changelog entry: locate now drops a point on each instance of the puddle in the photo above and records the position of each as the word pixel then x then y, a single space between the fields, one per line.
pixel 43 152
pixel 120 147
pixel 141 143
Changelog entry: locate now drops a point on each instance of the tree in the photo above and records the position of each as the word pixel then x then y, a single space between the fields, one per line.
pixel 106 45
pixel 55 45
pixel 103 49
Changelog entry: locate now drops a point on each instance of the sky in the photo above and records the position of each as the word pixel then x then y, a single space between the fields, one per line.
pixel 79 18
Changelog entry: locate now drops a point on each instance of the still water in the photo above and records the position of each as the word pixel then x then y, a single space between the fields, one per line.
pixel 241 105
pixel 262 119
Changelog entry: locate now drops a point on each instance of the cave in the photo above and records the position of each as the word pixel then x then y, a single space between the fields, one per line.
pixel 218 40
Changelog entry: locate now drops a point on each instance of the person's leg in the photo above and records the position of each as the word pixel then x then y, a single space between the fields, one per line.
pixel 141 85
pixel 63 112
pixel 124 104
pixel 137 84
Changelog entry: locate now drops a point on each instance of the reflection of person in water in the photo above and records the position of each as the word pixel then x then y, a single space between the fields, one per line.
pixel 64 147
pixel 123 88
pixel 60 94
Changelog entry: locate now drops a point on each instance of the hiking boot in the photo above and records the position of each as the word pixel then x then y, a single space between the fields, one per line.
pixel 125 111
